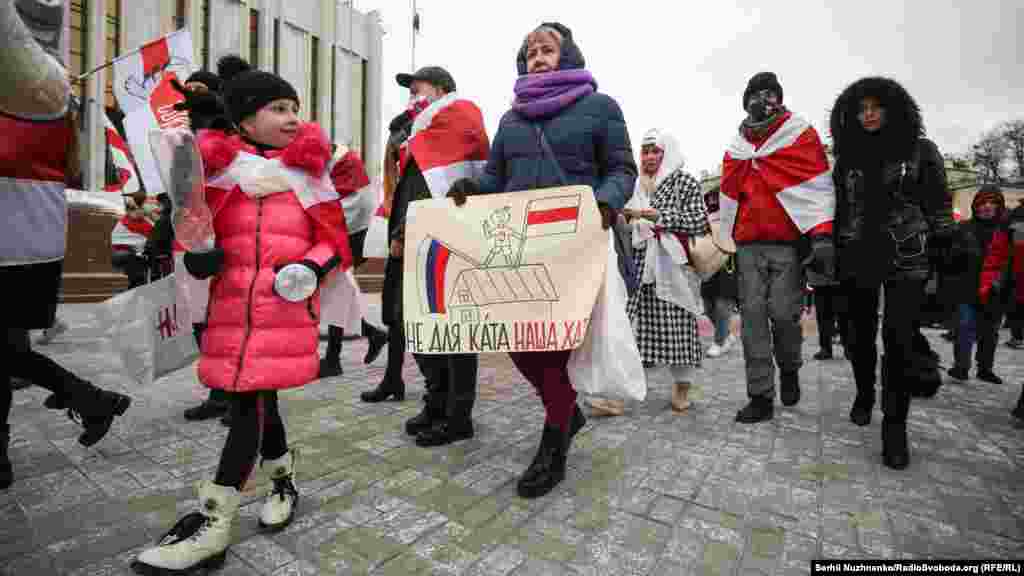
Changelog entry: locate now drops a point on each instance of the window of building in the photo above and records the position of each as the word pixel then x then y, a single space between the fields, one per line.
pixel 78 44
pixel 113 47
pixel 180 8
pixel 314 79
pixel 254 37
pixel 334 93
pixel 358 129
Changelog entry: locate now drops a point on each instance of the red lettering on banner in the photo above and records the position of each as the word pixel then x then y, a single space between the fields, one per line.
pixel 162 101
pixel 167 322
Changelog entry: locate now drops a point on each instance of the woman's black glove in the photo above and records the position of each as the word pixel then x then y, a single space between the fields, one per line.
pixel 203 265
pixel 463 188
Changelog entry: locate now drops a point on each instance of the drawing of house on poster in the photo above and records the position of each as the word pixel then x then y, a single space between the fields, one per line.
pixel 501 279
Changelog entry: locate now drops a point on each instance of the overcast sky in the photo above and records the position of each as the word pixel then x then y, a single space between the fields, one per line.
pixel 673 67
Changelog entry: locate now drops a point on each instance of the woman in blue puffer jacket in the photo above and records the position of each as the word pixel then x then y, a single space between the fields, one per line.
pixel 586 133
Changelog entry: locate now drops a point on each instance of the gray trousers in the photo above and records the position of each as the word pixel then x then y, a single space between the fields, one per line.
pixel 771 282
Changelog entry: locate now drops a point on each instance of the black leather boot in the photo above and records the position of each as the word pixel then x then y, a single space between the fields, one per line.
pixel 375 339
pixel 435 401
pixel 392 385
pixel 215 406
pixel 458 424
pixel 759 409
pixel 864 403
pixel 548 467
pixel 330 364
pixel 895 406
pixel 1018 412
pixel 6 472
pixel 95 409
pixel 789 388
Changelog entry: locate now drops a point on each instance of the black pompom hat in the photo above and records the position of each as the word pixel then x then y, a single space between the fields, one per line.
pixel 246 89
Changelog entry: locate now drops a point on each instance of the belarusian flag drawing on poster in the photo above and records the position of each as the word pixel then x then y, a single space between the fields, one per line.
pixel 142 86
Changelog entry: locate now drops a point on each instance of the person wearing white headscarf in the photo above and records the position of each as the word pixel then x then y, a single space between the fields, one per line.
pixel 667 207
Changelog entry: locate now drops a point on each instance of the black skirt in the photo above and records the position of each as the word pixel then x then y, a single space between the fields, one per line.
pixel 31 294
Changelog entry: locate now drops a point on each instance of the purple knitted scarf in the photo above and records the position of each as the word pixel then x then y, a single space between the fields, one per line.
pixel 548 93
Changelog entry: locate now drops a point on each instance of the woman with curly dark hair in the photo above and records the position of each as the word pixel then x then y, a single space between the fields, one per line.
pixel 892 207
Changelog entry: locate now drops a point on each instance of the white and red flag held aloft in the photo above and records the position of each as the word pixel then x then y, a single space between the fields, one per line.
pixel 127 180
pixel 790 163
pixel 142 86
pixel 448 141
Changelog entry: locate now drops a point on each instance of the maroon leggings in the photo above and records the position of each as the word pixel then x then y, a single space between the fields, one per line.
pixel 548 373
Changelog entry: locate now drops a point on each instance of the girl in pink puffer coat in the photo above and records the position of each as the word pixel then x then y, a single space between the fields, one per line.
pixel 279 225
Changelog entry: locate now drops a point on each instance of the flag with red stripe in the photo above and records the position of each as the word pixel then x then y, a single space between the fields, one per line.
pixel 127 179
pixel 550 216
pixel 791 164
pixel 448 141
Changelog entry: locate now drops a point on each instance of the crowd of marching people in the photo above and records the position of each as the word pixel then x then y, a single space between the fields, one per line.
pixel 865 233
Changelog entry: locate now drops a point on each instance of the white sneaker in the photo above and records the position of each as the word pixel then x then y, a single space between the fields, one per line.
pixel 714 351
pixel 730 341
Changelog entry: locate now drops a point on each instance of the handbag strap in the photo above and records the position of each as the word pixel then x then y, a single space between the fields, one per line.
pixel 546 148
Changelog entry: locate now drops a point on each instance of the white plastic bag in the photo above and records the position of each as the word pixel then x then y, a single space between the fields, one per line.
pixel 150 330
pixel 608 362
pixel 377 244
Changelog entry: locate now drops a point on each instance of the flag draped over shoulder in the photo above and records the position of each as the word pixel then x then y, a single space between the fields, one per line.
pixel 448 141
pixel 791 165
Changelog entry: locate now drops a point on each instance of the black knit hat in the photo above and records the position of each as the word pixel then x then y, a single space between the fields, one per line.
pixel 762 81
pixel 207 78
pixel 246 89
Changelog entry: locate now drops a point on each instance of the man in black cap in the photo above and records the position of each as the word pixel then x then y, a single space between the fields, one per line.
pixel 777 203
pixel 451 379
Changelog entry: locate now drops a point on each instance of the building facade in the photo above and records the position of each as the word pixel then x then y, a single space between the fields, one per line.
pixel 328 50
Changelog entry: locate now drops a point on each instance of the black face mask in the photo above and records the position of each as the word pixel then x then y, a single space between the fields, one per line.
pixel 760 108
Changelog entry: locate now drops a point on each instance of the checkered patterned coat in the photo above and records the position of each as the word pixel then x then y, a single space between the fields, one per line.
pixel 665 333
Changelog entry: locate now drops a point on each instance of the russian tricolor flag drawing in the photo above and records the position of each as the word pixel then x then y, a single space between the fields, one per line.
pixel 437 262
pixel 551 216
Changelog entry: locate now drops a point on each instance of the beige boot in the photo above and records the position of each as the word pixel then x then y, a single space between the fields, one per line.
pixel 279 508
pixel 680 396
pixel 607 407
pixel 199 539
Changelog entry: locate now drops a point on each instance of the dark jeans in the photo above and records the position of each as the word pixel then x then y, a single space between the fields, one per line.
pixel 976 324
pixel 256 429
pixel 902 305
pixel 19 359
pixel 830 311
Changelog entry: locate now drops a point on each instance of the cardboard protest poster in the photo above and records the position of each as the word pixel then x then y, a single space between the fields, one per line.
pixel 514 272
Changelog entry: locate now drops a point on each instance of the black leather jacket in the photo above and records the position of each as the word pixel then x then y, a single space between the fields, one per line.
pixel 920 212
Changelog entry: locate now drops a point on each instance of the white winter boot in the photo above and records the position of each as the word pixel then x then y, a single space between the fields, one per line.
pixel 199 539
pixel 279 508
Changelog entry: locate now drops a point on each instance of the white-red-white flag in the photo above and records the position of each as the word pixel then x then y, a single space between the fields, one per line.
pixel 448 141
pixel 792 164
pixel 142 86
pixel 127 180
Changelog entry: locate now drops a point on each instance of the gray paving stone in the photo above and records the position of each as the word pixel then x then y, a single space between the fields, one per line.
pixel 651 492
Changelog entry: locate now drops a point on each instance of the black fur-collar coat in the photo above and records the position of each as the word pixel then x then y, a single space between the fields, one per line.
pixel 892 200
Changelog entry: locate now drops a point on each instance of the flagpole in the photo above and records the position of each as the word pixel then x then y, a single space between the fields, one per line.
pixel 121 57
pixel 415 30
